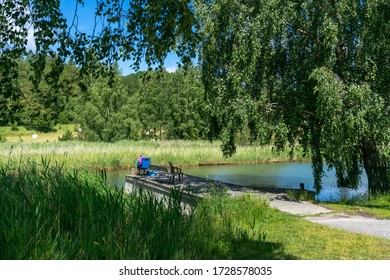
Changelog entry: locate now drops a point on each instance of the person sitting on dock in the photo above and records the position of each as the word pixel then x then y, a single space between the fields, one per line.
pixel 139 162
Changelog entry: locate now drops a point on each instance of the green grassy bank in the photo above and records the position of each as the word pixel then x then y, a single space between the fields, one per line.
pixel 377 206
pixel 48 212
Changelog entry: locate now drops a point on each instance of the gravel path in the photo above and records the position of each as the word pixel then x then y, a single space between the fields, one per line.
pixel 357 224
pixel 324 216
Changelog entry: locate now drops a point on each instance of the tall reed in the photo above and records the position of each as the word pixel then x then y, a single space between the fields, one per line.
pixel 123 154
pixel 48 212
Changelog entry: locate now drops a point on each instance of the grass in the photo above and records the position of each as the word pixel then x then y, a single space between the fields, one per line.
pixel 302 239
pixel 301 195
pixel 48 212
pixel 21 134
pixel 272 234
pixel 373 206
pixel 123 154
pixel 20 147
pixel 376 206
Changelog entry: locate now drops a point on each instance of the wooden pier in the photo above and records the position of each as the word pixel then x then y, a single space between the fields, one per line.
pixel 193 188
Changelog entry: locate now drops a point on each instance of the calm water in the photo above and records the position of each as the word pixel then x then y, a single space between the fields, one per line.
pixel 279 175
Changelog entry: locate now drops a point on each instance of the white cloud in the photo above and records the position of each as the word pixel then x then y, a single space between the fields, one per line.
pixel 30 46
pixel 171 69
pixel 30 40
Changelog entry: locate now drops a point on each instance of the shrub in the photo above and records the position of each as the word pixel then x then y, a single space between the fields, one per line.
pixel 14 126
pixel 67 136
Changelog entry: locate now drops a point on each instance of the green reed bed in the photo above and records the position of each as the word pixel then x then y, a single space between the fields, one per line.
pixel 123 154
pixel 47 212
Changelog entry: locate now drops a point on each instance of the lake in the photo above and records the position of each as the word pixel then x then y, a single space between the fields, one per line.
pixel 278 175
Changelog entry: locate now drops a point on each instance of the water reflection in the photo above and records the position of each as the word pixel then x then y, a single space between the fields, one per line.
pixel 279 175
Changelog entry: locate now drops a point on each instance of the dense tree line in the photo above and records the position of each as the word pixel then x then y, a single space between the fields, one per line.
pixel 152 105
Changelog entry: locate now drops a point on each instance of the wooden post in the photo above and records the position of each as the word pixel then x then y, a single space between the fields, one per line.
pixel 302 186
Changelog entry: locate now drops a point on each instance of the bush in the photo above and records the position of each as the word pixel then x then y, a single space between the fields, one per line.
pixel 67 136
pixel 14 126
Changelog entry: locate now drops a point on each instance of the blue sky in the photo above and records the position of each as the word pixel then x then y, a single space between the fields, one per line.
pixel 85 24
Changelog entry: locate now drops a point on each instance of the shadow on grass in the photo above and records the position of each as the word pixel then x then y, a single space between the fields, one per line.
pixel 259 250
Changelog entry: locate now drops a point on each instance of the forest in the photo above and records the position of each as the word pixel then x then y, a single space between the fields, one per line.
pixel 143 105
